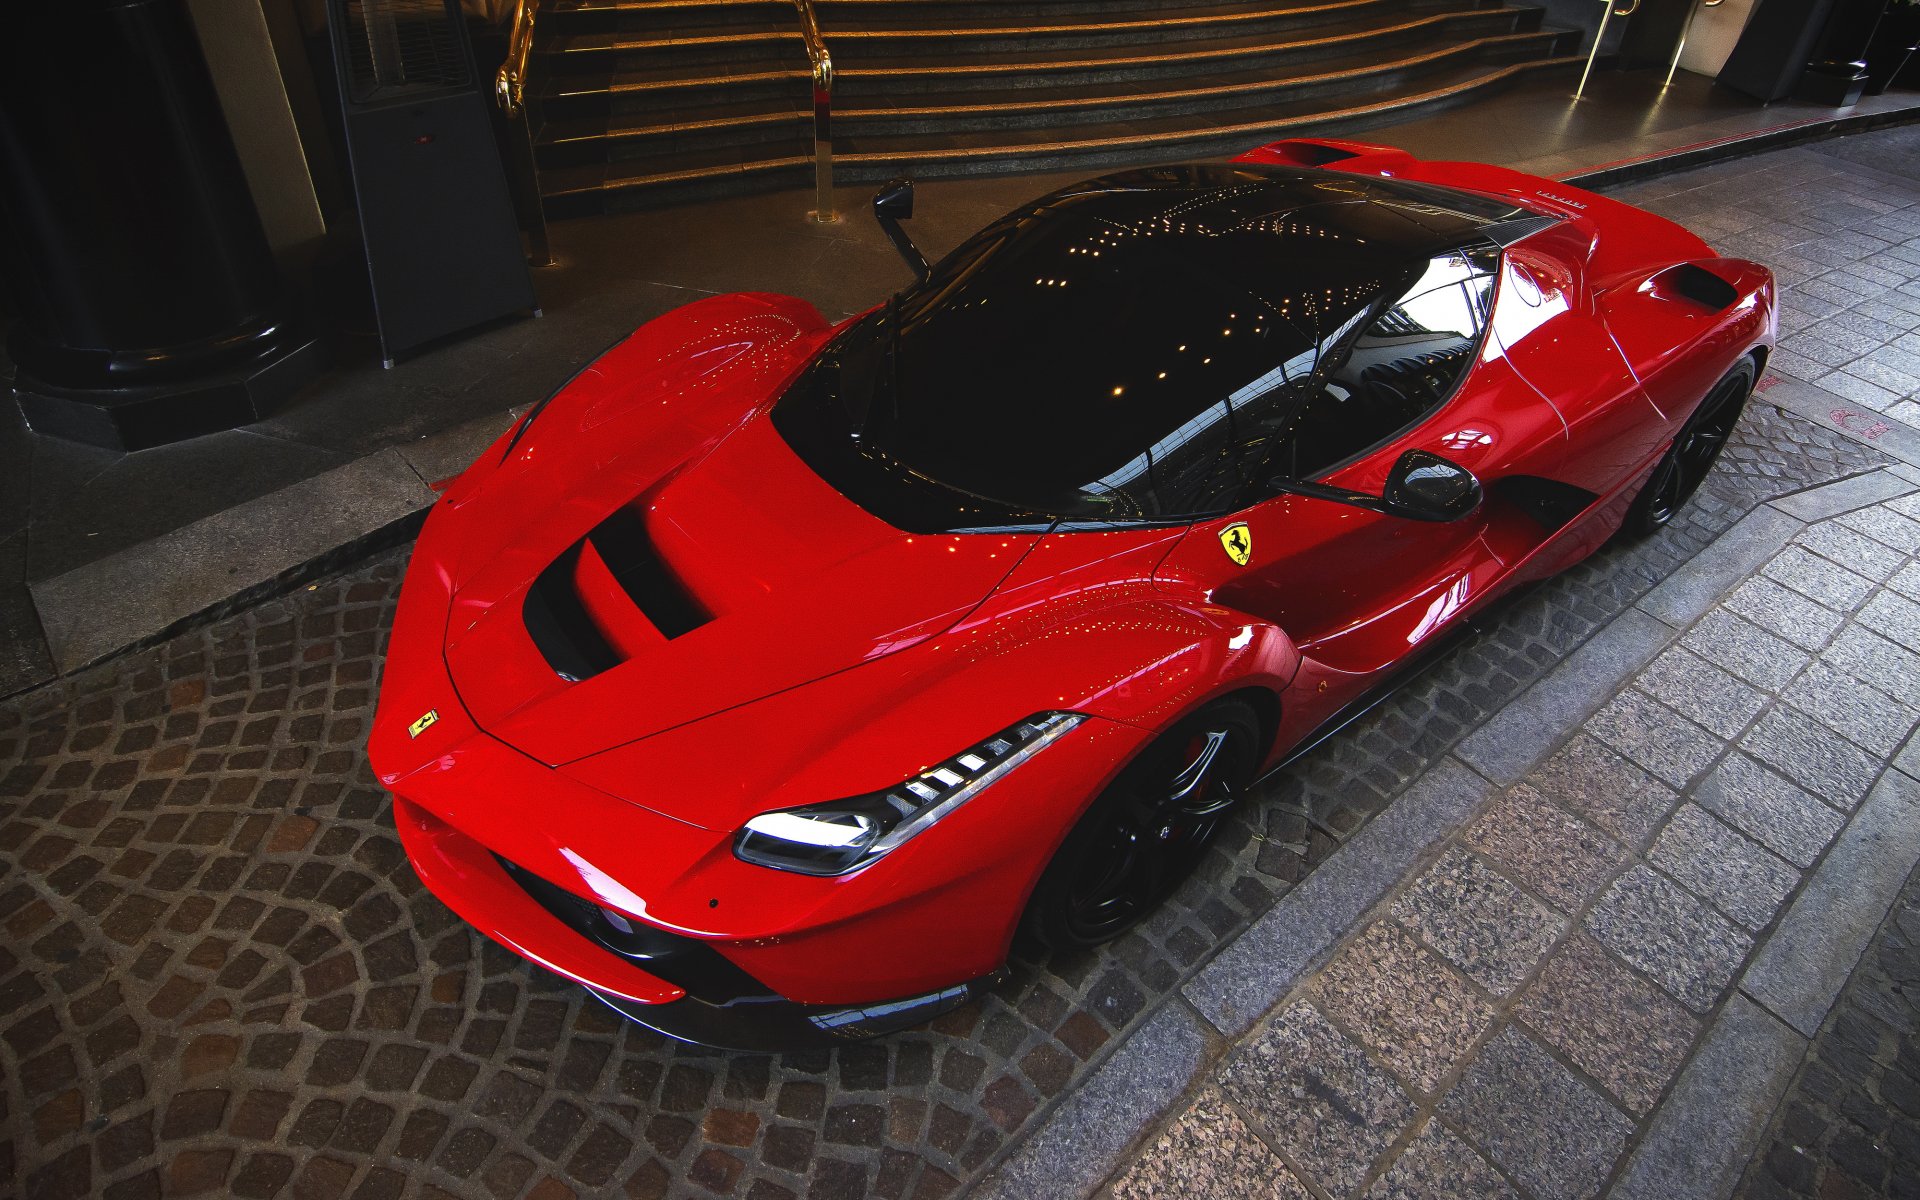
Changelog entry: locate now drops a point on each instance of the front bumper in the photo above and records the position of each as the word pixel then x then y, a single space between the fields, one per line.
pixel 679 986
pixel 773 1025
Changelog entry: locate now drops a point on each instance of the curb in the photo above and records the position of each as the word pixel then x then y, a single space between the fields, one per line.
pixel 1739 145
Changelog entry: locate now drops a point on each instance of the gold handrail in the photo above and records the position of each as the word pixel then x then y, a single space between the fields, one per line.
pixel 822 110
pixel 1606 14
pixel 523 172
pixel 510 84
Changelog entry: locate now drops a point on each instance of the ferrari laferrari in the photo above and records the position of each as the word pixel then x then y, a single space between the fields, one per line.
pixel 772 676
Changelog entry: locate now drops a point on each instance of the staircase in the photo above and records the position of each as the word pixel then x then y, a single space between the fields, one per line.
pixel 637 102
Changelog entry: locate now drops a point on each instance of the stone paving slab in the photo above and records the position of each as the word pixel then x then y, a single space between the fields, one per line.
pixel 1684 596
pixel 1517 737
pixel 1260 965
pixel 1808 958
pixel 94 610
pixel 1699 1144
pixel 1849 1124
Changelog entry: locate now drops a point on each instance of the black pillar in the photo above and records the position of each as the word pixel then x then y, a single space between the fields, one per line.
pixel 150 305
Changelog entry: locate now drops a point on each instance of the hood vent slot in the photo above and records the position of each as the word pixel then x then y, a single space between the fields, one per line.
pixel 558 623
pixel 607 599
pixel 623 545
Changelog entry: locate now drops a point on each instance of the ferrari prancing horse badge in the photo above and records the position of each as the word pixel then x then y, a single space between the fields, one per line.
pixel 1237 540
pixel 420 726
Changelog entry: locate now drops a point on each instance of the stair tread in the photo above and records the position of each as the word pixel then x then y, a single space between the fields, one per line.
pixel 1357 30
pixel 932 28
pixel 873 6
pixel 1137 131
pixel 1223 84
pixel 906 149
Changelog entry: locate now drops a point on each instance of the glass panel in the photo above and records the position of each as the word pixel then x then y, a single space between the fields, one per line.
pixel 1401 367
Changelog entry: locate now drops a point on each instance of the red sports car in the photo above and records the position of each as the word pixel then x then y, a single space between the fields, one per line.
pixel 772 675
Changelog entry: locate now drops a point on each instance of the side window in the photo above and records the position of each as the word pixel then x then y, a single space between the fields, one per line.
pixel 1400 367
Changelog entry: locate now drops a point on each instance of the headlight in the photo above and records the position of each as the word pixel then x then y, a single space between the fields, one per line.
pixel 844 835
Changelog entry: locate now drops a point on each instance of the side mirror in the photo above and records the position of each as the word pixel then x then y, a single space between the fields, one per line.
pixel 893 204
pixel 1427 487
pixel 1420 487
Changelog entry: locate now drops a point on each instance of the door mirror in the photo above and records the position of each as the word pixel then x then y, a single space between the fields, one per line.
pixel 894 202
pixel 1427 487
pixel 1420 487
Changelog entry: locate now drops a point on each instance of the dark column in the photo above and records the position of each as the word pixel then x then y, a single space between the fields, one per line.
pixel 150 306
pixel 1838 73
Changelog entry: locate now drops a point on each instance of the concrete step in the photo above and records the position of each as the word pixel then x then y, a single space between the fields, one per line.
pixel 1091 104
pixel 638 182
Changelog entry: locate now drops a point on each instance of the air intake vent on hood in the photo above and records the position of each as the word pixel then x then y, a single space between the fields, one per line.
pixel 607 599
pixel 624 546
pixel 558 623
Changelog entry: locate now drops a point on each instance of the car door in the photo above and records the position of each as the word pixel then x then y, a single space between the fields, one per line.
pixel 1358 590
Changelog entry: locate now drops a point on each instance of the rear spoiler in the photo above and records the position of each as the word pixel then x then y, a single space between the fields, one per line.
pixel 1364 158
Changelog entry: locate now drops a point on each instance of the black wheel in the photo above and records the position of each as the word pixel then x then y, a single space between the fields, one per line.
pixel 1692 454
pixel 1148 830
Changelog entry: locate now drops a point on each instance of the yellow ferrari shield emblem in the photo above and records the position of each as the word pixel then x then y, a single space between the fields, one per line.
pixel 1237 540
pixel 425 721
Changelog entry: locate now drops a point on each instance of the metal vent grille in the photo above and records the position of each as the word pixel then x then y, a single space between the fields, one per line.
pixel 398 48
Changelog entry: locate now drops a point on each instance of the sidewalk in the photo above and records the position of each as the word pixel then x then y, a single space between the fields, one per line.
pixel 99 552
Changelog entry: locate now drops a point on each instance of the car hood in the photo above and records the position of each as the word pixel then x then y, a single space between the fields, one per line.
pixel 735 575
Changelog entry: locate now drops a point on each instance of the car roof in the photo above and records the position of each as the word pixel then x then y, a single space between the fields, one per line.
pixel 1361 215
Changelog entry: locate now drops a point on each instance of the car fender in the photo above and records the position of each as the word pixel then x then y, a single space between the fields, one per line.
pixel 1682 326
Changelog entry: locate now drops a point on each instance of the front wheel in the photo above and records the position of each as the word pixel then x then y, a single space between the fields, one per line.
pixel 1148 831
pixel 1681 470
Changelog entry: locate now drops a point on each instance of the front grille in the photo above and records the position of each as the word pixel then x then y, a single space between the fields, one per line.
pixel 685 962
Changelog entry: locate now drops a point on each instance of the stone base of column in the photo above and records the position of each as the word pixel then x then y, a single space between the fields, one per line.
pixel 136 418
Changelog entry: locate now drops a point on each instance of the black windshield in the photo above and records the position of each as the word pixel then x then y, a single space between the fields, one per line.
pixel 1127 349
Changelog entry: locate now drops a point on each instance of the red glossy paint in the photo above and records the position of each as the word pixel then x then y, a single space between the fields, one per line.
pixel 837 656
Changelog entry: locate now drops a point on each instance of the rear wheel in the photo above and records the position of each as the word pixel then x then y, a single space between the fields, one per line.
pixel 1148 830
pixel 1686 463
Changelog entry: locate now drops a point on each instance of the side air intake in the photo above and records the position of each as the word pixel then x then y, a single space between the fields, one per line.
pixel 1694 284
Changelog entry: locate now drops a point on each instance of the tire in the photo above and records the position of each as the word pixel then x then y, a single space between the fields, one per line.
pixel 1148 830
pixel 1692 454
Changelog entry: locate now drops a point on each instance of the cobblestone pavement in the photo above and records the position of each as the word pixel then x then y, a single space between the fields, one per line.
pixel 217 974
pixel 1510 1018
pixel 1850 1125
